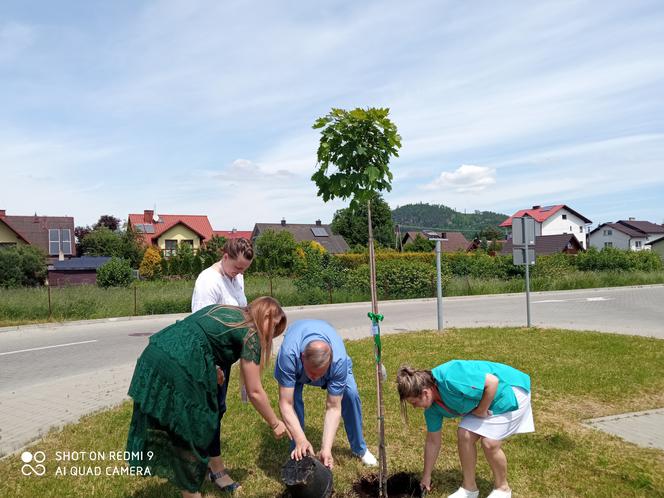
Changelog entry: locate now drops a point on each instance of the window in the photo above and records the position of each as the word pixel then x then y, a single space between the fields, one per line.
pixel 171 247
pixel 608 232
pixel 637 244
pixel 564 217
pixel 571 229
pixel 580 229
pixel 7 245
pixel 608 244
pixel 59 239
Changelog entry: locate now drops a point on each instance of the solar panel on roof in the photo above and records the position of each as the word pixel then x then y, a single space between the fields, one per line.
pixel 149 228
pixel 546 208
pixel 139 227
pixel 319 232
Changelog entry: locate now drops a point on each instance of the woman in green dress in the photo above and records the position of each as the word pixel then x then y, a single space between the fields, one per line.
pixel 174 387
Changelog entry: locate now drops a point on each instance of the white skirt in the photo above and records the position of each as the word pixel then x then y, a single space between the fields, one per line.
pixel 503 425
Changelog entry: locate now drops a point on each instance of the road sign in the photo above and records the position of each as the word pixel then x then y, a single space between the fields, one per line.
pixel 523 231
pixel 523 252
pixel 519 255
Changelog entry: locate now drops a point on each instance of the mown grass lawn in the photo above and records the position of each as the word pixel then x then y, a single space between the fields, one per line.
pixel 575 376
pixel 30 305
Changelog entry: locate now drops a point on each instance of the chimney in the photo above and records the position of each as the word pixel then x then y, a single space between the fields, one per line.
pixel 318 223
pixel 283 222
pixel 234 230
pixel 631 218
pixel 147 215
pixel 3 213
pixel 537 207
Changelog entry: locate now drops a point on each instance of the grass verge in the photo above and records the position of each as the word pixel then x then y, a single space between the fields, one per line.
pixel 31 305
pixel 575 376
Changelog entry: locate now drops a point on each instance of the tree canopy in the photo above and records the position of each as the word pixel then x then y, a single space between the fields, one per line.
pixel 352 224
pixel 354 154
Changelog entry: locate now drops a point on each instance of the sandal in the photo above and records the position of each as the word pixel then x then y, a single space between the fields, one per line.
pixel 230 488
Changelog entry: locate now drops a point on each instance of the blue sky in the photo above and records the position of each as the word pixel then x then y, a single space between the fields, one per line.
pixel 206 107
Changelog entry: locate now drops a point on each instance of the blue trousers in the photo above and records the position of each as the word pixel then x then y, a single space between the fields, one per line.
pixel 214 449
pixel 351 413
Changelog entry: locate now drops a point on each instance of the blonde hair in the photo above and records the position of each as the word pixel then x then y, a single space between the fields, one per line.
pixel 317 354
pixel 254 319
pixel 410 384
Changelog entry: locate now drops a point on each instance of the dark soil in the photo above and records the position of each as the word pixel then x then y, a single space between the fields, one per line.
pixel 401 485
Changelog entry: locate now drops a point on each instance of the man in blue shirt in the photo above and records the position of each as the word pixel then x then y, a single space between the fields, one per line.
pixel 313 353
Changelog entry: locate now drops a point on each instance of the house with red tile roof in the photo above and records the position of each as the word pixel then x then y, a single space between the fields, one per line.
pixel 233 234
pixel 555 220
pixel 167 231
pixel 53 234
pixel 629 234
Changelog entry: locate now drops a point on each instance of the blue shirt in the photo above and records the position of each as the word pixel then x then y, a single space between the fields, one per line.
pixel 288 369
pixel 461 386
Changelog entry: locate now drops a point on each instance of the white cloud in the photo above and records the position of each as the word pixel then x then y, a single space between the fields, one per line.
pixel 466 178
pixel 244 170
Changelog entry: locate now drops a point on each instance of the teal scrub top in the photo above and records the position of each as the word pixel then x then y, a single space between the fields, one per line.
pixel 461 385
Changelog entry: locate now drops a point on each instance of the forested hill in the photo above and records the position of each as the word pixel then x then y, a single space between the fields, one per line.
pixel 438 216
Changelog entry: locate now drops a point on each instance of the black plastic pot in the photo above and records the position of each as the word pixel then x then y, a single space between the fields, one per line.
pixel 307 478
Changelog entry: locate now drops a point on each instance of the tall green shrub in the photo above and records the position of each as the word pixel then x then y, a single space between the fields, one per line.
pixel 318 269
pixel 397 279
pixel 116 272
pixel 22 265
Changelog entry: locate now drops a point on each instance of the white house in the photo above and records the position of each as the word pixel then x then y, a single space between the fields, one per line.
pixel 625 234
pixel 555 220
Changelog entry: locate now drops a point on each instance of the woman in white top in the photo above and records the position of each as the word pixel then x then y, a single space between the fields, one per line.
pixel 223 283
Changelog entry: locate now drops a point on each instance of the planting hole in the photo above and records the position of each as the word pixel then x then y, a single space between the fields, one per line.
pixel 401 485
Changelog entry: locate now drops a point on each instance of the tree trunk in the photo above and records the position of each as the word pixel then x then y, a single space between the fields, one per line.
pixel 382 457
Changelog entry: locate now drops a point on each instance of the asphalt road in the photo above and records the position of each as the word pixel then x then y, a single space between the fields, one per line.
pixel 53 374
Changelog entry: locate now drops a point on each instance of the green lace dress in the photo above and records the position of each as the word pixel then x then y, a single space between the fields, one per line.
pixel 174 389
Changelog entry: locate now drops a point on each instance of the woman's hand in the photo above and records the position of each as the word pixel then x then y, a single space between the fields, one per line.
pixel 220 375
pixel 279 430
pixel 326 459
pixel 425 483
pixel 302 449
pixel 478 412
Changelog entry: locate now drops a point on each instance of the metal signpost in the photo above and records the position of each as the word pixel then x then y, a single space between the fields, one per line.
pixel 439 283
pixel 523 252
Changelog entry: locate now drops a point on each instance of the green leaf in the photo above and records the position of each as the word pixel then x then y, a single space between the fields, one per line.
pixel 373 173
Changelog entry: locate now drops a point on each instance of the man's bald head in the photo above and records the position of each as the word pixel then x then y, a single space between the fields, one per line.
pixel 316 359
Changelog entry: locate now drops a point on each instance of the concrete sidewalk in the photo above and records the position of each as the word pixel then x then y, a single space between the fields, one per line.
pixel 641 428
pixel 32 411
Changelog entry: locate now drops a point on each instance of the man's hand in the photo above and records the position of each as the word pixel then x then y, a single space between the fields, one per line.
pixel 220 375
pixel 326 459
pixel 279 430
pixel 425 483
pixel 302 449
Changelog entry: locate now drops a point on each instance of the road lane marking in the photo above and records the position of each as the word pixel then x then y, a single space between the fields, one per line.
pixel 550 301
pixel 47 347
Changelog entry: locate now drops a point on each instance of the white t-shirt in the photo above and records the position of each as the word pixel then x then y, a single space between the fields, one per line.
pixel 214 288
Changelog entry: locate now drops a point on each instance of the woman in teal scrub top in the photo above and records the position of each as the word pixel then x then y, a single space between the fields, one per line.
pixel 493 401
